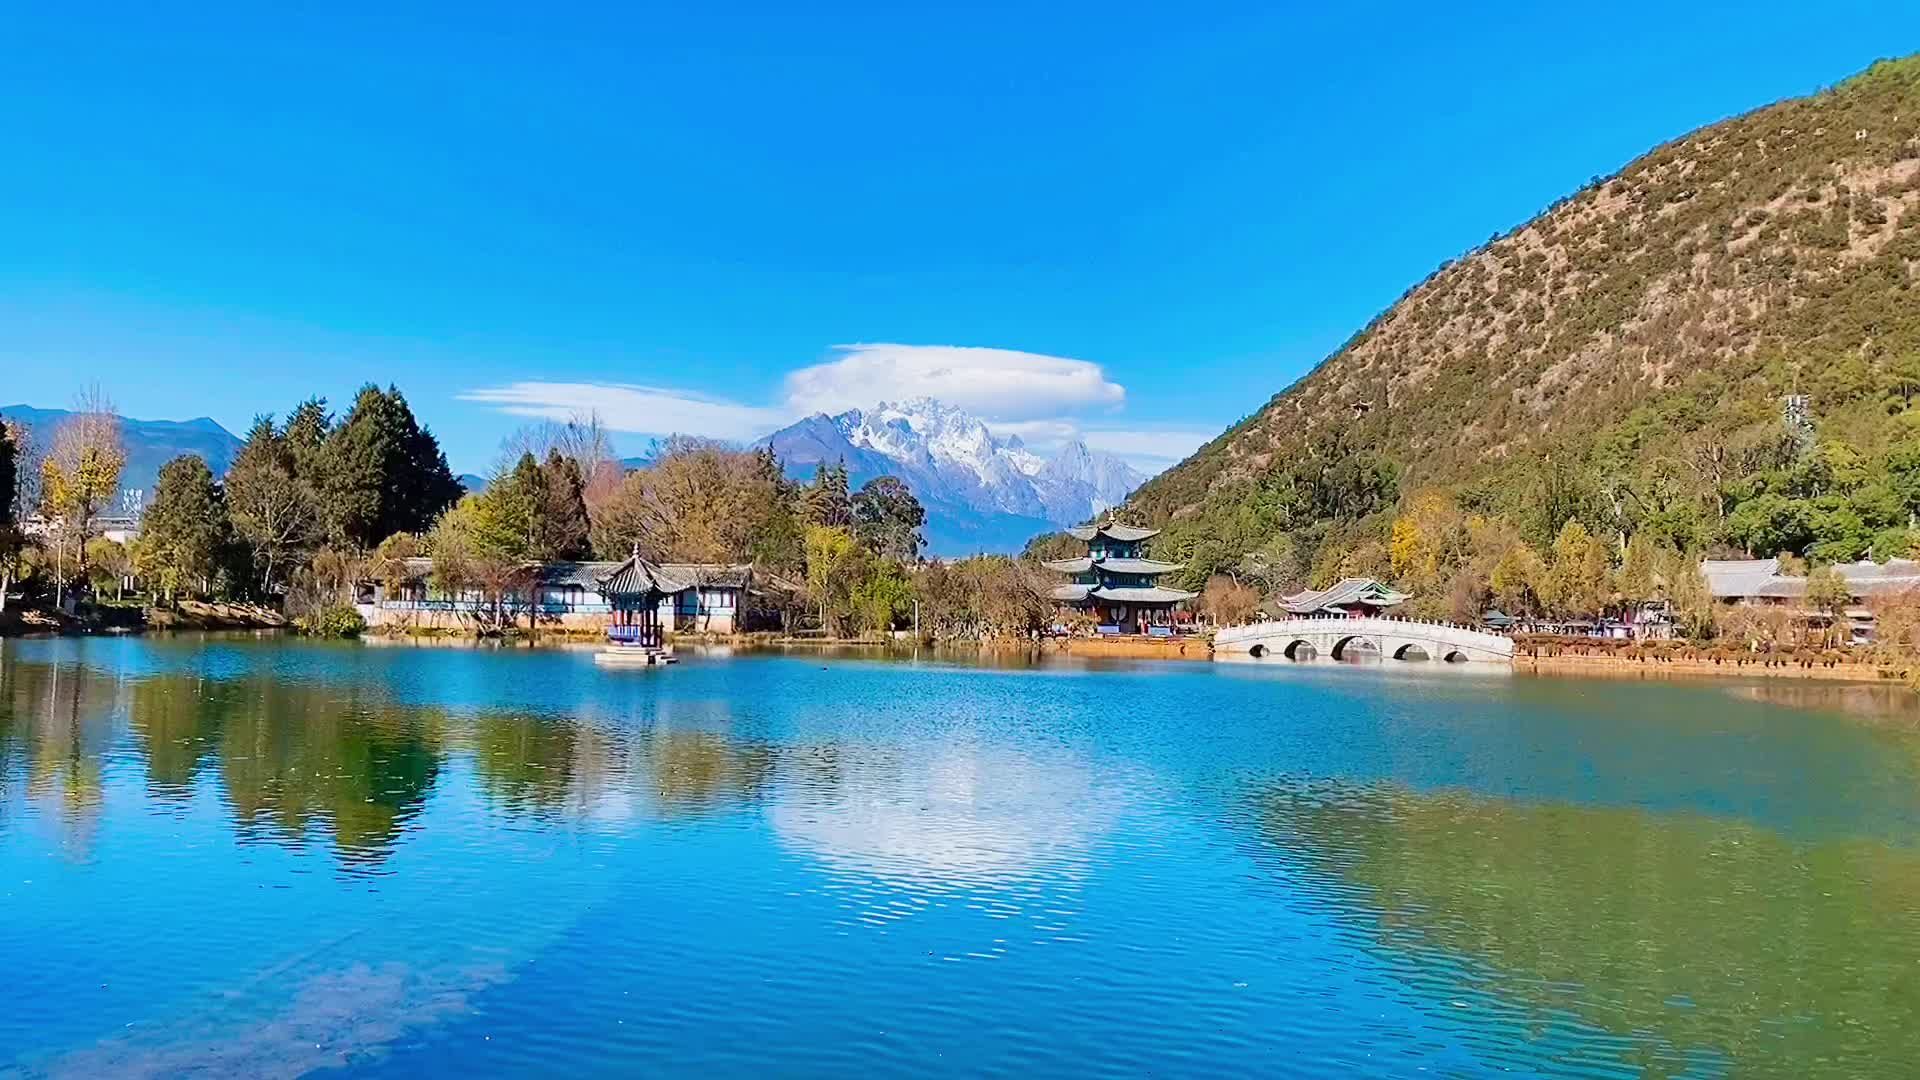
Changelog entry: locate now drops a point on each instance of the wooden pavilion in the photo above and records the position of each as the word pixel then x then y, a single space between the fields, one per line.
pixel 633 590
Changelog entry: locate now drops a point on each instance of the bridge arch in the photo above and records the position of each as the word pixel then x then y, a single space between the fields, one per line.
pixel 1257 651
pixel 1457 657
pixel 1411 651
pixel 1301 650
pixel 1356 647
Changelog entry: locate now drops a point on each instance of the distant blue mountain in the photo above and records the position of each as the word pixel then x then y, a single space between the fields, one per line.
pixel 149 443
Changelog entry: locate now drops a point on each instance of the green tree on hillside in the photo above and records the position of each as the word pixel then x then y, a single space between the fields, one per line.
pixel 1640 570
pixel 1577 582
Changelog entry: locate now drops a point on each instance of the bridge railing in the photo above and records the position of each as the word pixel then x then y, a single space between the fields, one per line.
pixel 1376 624
pixel 1349 619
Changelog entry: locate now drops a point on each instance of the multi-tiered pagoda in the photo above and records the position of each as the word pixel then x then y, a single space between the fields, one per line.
pixel 1115 583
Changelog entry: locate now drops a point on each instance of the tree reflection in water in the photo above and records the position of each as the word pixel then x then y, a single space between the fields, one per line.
pixel 1643 925
pixel 296 761
pixel 56 723
pixel 597 770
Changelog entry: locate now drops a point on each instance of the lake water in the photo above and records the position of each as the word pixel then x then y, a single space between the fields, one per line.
pixel 271 857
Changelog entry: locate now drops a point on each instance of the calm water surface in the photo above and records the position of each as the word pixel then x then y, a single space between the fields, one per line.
pixel 272 858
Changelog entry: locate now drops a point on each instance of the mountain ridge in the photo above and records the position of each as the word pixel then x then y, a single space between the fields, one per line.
pixel 982 492
pixel 149 443
pixel 1705 280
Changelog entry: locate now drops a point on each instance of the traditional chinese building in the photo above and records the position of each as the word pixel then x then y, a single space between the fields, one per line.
pixel 1116 583
pixel 688 597
pixel 1350 596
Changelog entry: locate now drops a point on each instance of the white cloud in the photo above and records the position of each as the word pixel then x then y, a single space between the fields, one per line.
pixel 645 410
pixel 1018 393
pixel 1001 384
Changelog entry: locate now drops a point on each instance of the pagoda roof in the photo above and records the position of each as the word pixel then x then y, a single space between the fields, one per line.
pixel 1111 563
pixel 1138 566
pixel 1151 594
pixel 1125 534
pixel 638 577
pixel 1353 590
pixel 1071 594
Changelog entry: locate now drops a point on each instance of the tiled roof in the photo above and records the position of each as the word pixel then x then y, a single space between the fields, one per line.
pixel 1150 595
pixel 1346 591
pixel 1875 579
pixel 1125 534
pixel 1736 579
pixel 589 574
pixel 1116 565
pixel 1138 566
pixel 1729 578
pixel 1071 594
pixel 586 575
pixel 712 575
pixel 636 577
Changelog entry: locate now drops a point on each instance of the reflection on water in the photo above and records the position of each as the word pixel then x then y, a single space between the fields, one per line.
pixel 1887 702
pixel 271 858
pixel 940 817
pixel 1693 940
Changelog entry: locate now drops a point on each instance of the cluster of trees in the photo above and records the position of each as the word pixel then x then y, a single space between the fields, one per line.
pixel 299 503
pixel 316 503
pixel 303 498
pixel 1458 564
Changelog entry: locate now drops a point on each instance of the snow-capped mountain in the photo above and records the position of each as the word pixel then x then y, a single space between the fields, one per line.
pixel 982 492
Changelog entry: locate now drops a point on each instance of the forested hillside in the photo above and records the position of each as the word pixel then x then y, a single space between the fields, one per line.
pixel 1622 361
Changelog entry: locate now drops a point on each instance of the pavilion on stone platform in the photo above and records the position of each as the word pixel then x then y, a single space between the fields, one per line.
pixel 1116 583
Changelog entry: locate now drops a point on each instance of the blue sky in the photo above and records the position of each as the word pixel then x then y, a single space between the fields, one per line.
pixel 1164 214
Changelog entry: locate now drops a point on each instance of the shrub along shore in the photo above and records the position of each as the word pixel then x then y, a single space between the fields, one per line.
pixel 1657 659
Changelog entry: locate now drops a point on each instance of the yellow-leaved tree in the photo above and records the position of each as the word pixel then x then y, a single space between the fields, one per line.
pixel 78 478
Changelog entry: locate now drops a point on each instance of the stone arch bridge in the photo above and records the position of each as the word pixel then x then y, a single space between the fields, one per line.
pixel 1338 637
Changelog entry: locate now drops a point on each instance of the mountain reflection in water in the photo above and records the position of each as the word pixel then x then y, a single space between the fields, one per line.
pixel 1694 940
